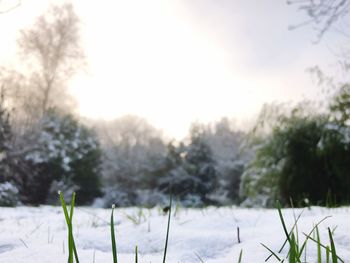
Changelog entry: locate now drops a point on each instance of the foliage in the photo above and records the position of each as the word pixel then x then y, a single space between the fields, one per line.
pixel 64 151
pixel 9 195
pixel 190 170
pixel 5 143
pixel 133 152
pixel 340 105
pixel 300 151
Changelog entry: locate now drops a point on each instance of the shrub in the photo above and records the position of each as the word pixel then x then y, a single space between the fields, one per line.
pixel 8 194
pixel 65 151
pixel 304 157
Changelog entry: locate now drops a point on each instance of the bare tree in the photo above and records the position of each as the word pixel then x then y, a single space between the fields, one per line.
pixel 6 7
pixel 53 51
pixel 132 149
pixel 323 14
pixel 50 53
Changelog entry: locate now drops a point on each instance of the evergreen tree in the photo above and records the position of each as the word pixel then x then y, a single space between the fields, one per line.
pixel 64 151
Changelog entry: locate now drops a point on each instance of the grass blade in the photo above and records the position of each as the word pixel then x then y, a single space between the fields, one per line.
pixel 310 233
pixel 333 252
pixel 282 221
pixel 292 243
pixel 136 255
pixel 293 254
pixel 272 253
pixel 328 250
pixel 167 230
pixel 240 256
pixel 327 254
pixel 286 240
pixel 69 217
pixel 72 205
pixel 319 254
pixel 114 247
pixel 199 258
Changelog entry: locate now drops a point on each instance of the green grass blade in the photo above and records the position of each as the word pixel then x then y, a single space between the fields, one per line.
pixel 72 205
pixel 328 250
pixel 319 254
pixel 272 253
pixel 310 233
pixel 136 255
pixel 114 247
pixel 240 256
pixel 293 254
pixel 327 254
pixel 64 206
pixel 69 225
pixel 167 230
pixel 292 243
pixel 282 221
pixel 286 240
pixel 333 252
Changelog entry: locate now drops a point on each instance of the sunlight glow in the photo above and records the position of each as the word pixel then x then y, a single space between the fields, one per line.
pixel 155 60
pixel 151 61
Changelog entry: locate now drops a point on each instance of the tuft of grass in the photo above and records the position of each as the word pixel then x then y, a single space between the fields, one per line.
pixel 72 251
pixel 296 249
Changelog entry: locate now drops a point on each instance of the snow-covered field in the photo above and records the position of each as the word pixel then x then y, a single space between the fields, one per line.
pixel 40 234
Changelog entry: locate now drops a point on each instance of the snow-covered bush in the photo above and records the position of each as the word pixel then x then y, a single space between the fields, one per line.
pixel 9 195
pixel 63 150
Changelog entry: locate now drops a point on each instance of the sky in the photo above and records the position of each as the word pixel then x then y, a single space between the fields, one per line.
pixel 176 62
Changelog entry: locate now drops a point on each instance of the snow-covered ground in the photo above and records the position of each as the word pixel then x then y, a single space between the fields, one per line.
pixel 40 234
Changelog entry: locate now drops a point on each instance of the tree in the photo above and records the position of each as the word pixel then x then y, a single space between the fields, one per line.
pixel 304 157
pixel 340 104
pixel 50 54
pixel 5 143
pixel 189 172
pixel 64 151
pixel 323 14
pixel 133 152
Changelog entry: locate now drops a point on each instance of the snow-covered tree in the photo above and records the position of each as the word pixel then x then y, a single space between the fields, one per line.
pixel 63 150
pixel 5 143
pixel 190 171
pixel 132 151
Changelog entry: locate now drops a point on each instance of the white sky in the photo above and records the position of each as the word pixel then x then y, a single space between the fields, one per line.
pixel 175 62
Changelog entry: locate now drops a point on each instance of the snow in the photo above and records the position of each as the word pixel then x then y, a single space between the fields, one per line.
pixel 39 234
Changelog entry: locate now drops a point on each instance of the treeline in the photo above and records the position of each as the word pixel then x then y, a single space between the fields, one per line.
pixel 125 161
pixel 299 153
pixel 293 153
pixel 141 168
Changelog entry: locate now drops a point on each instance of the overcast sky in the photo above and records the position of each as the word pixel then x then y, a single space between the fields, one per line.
pixel 175 62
